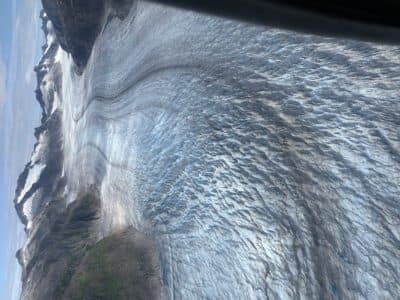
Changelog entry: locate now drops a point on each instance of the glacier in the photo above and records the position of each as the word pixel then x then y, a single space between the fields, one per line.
pixel 265 164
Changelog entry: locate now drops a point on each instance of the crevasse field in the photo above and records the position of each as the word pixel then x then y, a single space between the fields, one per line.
pixel 265 163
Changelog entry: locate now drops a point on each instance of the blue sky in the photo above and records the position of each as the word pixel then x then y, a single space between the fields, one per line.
pixel 20 42
pixel 6 10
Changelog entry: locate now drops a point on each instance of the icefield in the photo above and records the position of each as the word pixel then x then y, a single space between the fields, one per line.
pixel 264 163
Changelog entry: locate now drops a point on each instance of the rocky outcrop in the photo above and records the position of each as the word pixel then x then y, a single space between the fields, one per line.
pixel 78 22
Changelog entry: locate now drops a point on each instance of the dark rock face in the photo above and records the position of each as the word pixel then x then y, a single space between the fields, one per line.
pixel 78 22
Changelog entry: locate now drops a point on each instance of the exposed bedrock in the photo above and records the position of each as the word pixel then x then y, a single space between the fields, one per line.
pixel 78 22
